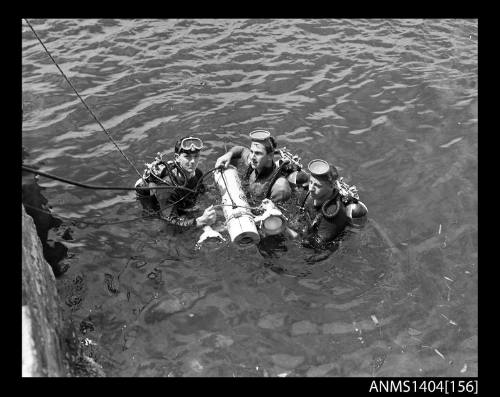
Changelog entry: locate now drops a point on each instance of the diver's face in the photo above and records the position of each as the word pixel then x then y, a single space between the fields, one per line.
pixel 188 161
pixel 320 189
pixel 259 158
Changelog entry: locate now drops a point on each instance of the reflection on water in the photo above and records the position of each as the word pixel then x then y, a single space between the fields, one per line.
pixel 392 103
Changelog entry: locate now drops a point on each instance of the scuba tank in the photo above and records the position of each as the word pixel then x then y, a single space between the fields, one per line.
pixel 354 207
pixel 349 197
pixel 356 210
pixel 239 219
pixel 289 166
pixel 160 172
pixel 157 170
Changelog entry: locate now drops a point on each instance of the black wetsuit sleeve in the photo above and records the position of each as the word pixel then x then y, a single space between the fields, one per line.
pixel 201 188
pixel 315 241
pixel 312 240
pixel 327 231
pixel 178 198
pixel 179 220
pixel 332 231
pixel 171 213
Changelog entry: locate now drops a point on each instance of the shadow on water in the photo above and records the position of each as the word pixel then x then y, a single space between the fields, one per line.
pixel 36 206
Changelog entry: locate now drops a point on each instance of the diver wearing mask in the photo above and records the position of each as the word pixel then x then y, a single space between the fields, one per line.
pixel 323 208
pixel 182 172
pixel 265 177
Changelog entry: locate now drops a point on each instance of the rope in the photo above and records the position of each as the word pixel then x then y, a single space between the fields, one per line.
pixel 183 197
pixel 73 221
pixel 113 141
pixel 239 206
pixel 160 211
pixel 187 194
pixel 151 215
pixel 81 99
pixel 96 187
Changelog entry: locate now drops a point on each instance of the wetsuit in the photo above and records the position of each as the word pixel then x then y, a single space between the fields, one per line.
pixel 320 229
pixel 267 184
pixel 179 202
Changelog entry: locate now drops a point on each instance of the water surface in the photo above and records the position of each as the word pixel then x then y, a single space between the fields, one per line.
pixel 392 103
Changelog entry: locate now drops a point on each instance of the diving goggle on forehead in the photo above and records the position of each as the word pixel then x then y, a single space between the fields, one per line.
pixel 264 137
pixel 191 143
pixel 259 135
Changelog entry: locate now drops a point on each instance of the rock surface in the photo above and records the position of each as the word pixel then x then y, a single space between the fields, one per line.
pixel 42 353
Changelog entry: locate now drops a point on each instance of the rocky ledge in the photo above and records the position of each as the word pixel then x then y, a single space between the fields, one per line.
pixel 42 323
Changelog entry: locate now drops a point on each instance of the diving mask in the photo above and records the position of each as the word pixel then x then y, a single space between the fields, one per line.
pixel 191 143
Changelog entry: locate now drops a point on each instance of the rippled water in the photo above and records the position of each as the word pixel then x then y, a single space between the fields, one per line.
pixel 392 103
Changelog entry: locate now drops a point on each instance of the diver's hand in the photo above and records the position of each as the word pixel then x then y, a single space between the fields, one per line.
pixel 208 233
pixel 267 205
pixel 208 217
pixel 223 161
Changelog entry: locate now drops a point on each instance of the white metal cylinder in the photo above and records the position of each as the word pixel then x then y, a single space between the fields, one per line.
pixel 239 218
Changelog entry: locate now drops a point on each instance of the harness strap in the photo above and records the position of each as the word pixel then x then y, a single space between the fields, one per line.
pixel 323 213
pixel 248 172
pixel 274 177
pixel 303 203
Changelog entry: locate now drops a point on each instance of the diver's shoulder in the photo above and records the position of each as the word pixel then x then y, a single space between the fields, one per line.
pixel 282 183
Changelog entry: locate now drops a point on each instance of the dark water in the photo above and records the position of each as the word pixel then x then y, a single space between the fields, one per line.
pixel 392 103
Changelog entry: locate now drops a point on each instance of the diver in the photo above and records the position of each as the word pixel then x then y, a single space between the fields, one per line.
pixel 328 206
pixel 182 173
pixel 265 177
pixel 269 182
